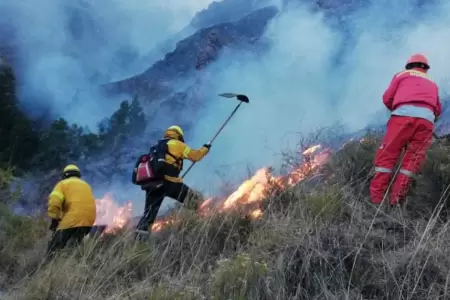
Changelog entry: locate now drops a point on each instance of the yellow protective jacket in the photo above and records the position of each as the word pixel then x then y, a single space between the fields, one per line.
pixel 181 151
pixel 72 202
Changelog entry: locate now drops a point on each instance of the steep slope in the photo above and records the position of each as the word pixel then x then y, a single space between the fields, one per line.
pixel 182 61
pixel 312 242
pixel 226 11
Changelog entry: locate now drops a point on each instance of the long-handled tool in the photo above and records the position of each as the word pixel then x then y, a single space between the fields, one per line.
pixel 242 99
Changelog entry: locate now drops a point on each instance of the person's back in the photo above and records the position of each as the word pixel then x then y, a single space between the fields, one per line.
pixel 78 208
pixel 179 151
pixel 171 185
pixel 72 209
pixel 412 93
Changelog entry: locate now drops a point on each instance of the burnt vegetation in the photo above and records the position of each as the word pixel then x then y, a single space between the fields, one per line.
pixel 320 239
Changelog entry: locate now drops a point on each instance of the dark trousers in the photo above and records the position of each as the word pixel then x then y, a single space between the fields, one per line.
pixel 67 237
pixel 154 198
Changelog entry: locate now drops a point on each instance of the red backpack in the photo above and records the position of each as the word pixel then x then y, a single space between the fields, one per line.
pixel 144 172
pixel 152 166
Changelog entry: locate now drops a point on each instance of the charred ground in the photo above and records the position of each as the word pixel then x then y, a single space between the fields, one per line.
pixel 320 239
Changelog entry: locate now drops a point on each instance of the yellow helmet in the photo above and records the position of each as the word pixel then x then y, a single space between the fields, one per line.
pixel 70 171
pixel 69 168
pixel 177 129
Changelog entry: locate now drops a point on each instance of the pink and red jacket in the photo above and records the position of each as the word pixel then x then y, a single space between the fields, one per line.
pixel 412 93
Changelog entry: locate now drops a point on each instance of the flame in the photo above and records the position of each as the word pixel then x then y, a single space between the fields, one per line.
pixel 256 214
pixel 112 215
pixel 249 191
pixel 158 225
pixel 248 194
pixel 311 150
pixel 206 203
pixel 253 190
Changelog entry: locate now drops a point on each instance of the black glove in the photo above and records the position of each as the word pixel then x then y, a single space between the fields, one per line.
pixel 54 224
pixel 208 146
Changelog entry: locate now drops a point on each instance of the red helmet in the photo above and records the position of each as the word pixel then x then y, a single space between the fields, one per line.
pixel 417 60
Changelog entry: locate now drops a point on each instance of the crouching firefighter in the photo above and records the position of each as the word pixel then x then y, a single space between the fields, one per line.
pixel 71 207
pixel 158 173
pixel 413 99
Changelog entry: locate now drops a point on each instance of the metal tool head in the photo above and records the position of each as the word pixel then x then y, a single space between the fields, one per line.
pixel 240 97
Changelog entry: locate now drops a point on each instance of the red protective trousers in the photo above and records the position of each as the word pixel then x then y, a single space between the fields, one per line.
pixel 413 133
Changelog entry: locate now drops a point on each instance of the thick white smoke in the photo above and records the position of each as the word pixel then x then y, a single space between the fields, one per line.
pixel 305 82
pixel 313 75
pixel 67 48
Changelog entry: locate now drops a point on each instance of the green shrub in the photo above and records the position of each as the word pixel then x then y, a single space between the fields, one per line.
pixel 239 278
pixel 172 292
pixel 324 203
pixel 316 240
pixel 352 165
pixel 18 235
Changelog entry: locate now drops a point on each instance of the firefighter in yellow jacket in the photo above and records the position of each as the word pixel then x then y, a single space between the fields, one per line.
pixel 71 207
pixel 171 185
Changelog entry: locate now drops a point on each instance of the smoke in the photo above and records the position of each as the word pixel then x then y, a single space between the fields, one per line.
pixel 315 74
pixel 65 49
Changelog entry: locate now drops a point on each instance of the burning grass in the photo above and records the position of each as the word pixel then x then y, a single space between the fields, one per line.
pixel 246 198
pixel 316 239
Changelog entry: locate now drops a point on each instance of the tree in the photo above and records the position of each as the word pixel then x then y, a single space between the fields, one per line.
pixel 125 124
pixel 18 140
pixel 28 147
pixel 56 146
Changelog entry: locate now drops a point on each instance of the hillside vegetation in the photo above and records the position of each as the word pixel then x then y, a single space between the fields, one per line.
pixel 35 150
pixel 321 239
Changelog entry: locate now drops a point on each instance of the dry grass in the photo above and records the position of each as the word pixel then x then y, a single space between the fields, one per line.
pixel 319 240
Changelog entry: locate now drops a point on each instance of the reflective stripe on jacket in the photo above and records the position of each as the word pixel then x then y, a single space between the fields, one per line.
pixel 73 202
pixel 180 151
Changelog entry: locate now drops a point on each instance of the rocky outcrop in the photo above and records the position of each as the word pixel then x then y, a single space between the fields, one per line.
pixel 209 51
pixel 198 50
pixel 226 11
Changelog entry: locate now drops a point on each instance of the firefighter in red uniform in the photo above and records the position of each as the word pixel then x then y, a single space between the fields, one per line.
pixel 413 99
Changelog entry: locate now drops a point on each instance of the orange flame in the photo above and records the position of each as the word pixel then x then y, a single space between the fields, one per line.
pixel 253 190
pixel 248 194
pixel 249 191
pixel 157 226
pixel 206 203
pixel 257 213
pixel 112 215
